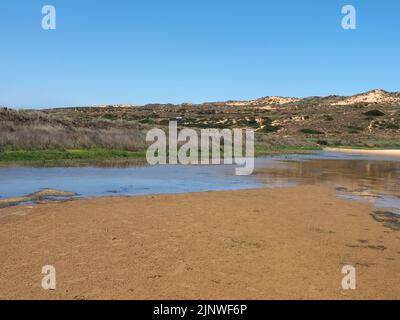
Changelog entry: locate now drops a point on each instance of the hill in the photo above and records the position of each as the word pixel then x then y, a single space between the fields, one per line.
pixel 370 119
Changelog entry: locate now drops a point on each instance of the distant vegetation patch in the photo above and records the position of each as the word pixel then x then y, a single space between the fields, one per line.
pixel 310 131
pixel 61 157
pixel 354 129
pixel 284 149
pixel 374 113
pixel 109 116
pixel 392 126
pixel 328 117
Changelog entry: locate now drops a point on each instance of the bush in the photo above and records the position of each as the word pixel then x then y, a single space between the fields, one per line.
pixel 374 113
pixel 310 131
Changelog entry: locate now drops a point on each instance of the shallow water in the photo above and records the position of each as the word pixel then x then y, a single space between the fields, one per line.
pixel 94 182
pixel 368 178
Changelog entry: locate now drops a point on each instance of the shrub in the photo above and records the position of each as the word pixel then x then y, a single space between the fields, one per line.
pixel 374 113
pixel 310 131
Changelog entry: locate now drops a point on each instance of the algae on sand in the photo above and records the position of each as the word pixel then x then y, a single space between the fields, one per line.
pixel 36 196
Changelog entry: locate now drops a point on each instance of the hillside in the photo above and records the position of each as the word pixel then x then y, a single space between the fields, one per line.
pixel 369 119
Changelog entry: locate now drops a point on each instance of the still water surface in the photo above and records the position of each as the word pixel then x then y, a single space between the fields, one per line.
pixel 367 178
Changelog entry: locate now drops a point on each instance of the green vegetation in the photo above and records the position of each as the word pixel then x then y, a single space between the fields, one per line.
pixel 374 113
pixel 383 143
pixel 260 150
pixel 310 131
pixel 68 157
pixel 105 157
pixel 109 116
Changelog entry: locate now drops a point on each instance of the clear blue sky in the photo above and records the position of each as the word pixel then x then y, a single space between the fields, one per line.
pixel 106 52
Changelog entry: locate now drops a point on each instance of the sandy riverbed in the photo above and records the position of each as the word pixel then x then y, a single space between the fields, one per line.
pixel 253 244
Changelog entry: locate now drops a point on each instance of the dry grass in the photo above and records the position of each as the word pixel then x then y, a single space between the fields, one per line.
pixel 37 130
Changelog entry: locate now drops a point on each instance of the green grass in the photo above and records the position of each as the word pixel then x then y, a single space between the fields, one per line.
pixel 260 150
pixel 67 156
pixel 108 157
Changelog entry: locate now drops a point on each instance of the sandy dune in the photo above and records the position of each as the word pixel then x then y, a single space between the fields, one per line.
pixel 254 244
pixel 373 96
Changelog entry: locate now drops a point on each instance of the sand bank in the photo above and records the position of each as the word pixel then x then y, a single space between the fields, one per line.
pixel 391 153
pixel 254 244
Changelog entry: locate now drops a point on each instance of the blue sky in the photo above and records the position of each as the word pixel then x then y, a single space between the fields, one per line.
pixel 106 52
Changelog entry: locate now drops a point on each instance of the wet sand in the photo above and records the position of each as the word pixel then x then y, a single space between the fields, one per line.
pixel 388 153
pixel 255 244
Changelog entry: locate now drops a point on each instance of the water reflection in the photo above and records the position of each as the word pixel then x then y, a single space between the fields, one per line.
pixel 377 181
